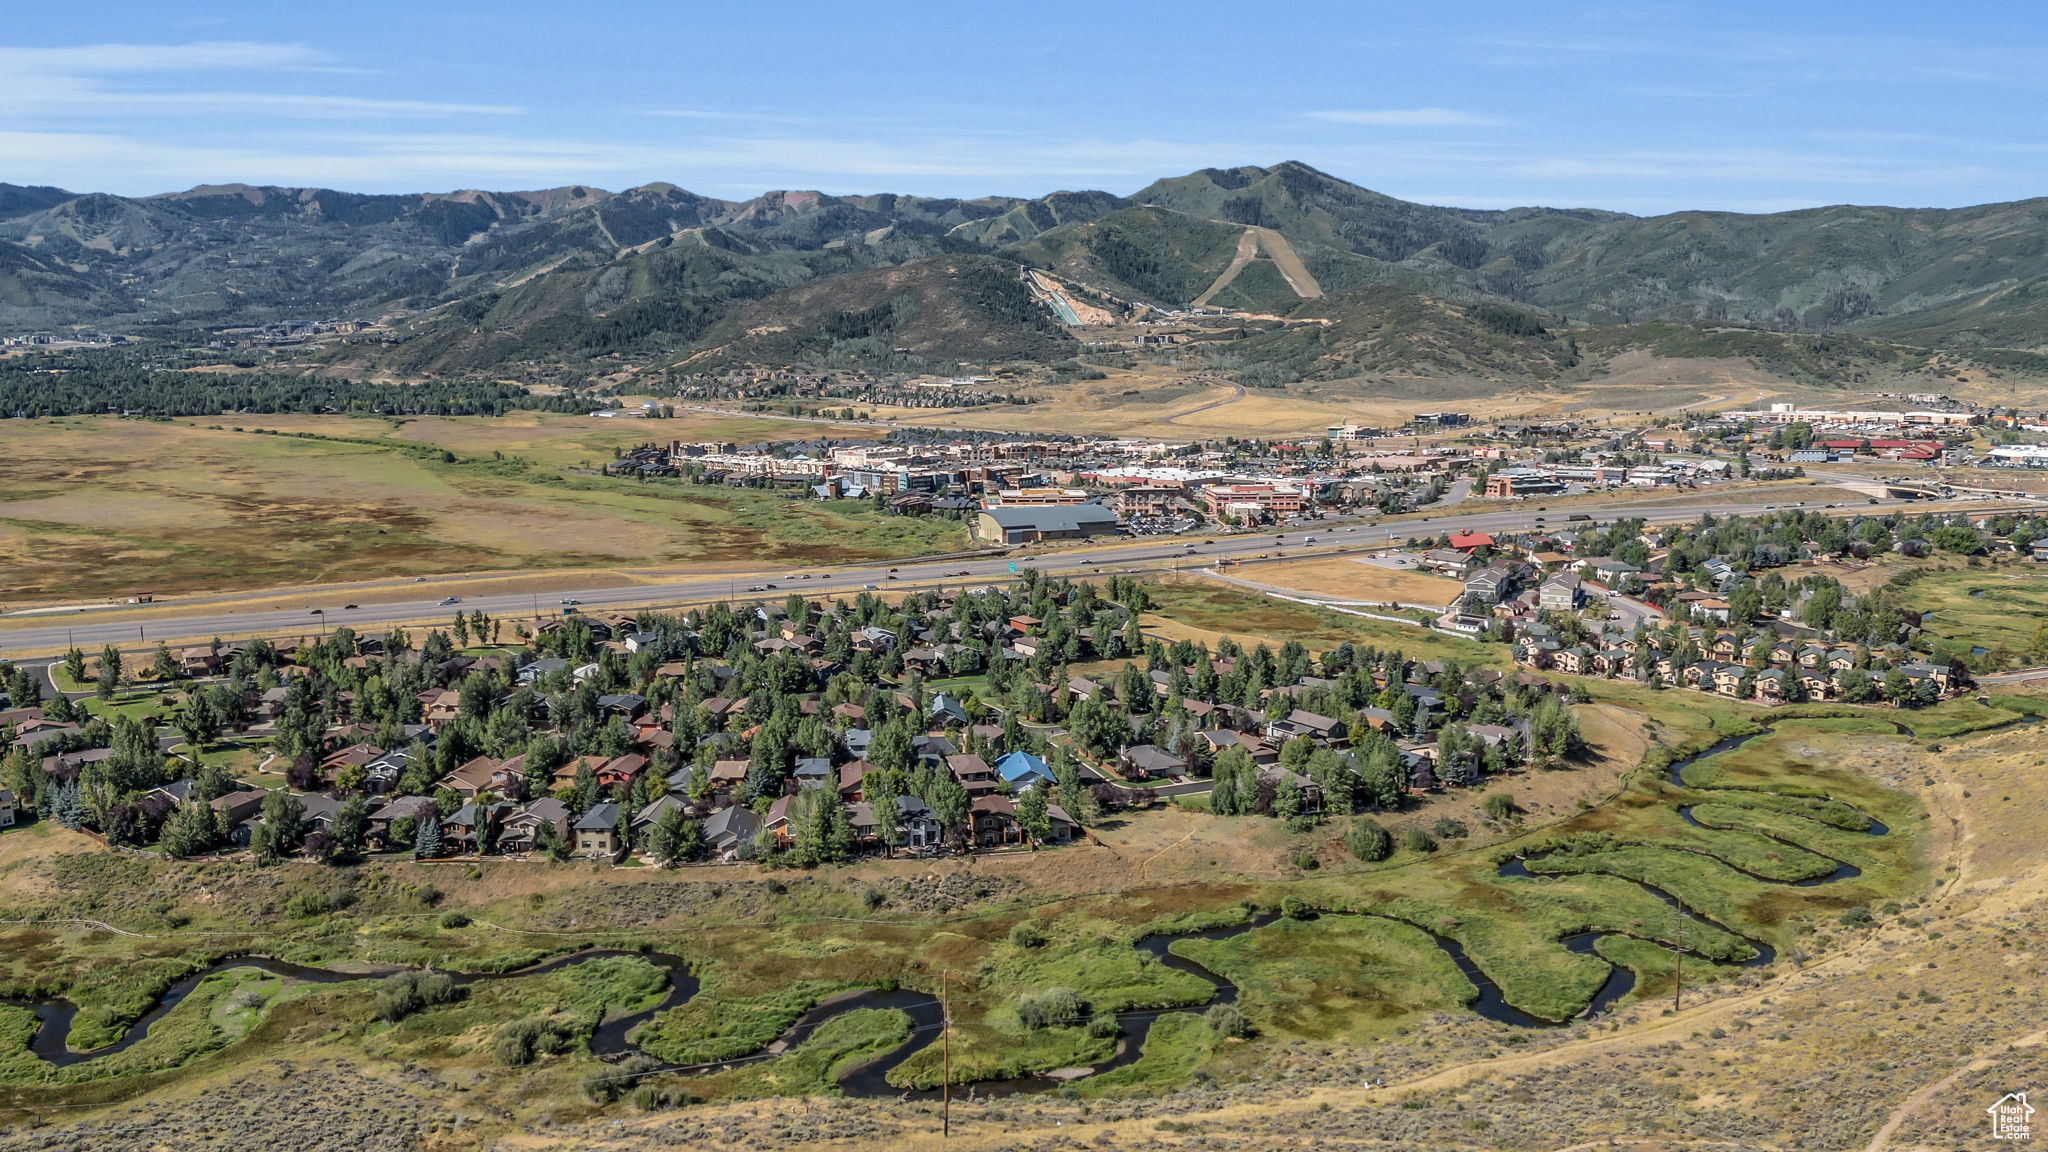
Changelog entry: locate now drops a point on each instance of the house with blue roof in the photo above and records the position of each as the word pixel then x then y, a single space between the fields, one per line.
pixel 1020 769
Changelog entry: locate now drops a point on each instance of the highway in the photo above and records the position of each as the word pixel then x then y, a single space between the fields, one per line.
pixel 42 633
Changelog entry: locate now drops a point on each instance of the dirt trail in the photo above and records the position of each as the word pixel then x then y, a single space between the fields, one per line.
pixel 1247 250
pixel 1913 1103
pixel 1276 249
pixel 1290 265
pixel 1236 394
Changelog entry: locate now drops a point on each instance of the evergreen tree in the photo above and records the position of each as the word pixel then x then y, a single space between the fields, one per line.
pixel 426 843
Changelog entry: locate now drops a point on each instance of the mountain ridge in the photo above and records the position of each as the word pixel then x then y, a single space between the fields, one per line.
pixel 576 269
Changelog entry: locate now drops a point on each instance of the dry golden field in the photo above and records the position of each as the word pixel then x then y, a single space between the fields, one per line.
pixel 96 507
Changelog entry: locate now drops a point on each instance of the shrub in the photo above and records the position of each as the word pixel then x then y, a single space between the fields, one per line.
pixel 1051 1008
pixel 1446 828
pixel 1306 860
pixel 1228 1021
pixel 309 902
pixel 1295 908
pixel 1368 841
pixel 1025 934
pixel 608 1084
pixel 1499 806
pixel 454 919
pixel 1857 916
pixel 405 993
pixel 517 1044
pixel 1416 840
pixel 1102 1025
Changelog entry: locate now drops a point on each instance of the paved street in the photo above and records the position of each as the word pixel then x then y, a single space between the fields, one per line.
pixel 86 628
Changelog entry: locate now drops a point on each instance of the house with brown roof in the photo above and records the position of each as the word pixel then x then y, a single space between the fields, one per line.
pixel 471 778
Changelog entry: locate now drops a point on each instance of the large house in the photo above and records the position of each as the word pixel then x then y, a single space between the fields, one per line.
pixel 597 834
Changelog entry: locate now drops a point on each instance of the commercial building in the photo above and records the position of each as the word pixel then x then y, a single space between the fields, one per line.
pixel 1254 501
pixel 1028 524
pixel 1030 497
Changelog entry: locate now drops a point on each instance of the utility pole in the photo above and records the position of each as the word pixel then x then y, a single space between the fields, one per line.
pixel 1678 956
pixel 945 1043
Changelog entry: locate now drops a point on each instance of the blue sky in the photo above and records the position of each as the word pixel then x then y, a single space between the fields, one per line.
pixel 1641 107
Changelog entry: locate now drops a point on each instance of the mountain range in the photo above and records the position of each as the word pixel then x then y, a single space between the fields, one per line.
pixel 484 278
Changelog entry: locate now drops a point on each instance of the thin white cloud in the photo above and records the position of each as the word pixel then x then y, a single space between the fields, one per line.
pixel 1750 165
pixel 102 81
pixel 117 59
pixel 1404 117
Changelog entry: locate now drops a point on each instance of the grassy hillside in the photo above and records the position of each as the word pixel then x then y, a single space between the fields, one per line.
pixel 935 312
pixel 1390 329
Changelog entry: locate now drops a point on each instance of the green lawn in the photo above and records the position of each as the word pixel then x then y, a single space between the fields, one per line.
pixel 1251 618
pixel 1346 978
pixel 2000 607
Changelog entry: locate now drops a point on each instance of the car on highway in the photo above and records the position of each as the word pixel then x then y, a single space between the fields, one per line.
pixel 869 587
pixel 451 600
pixel 890 576
pixel 571 600
pixel 963 572
pixel 346 607
pixel 756 588
pixel 1578 516
pixel 319 612
pixel 768 586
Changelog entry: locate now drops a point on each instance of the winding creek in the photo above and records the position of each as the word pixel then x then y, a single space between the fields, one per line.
pixel 611 1039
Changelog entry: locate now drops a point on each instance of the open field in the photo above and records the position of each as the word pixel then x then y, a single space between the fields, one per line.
pixel 1348 578
pixel 86 514
pixel 1155 400
pixel 553 439
pixel 1199 609
pixel 2002 607
pixel 1161 399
